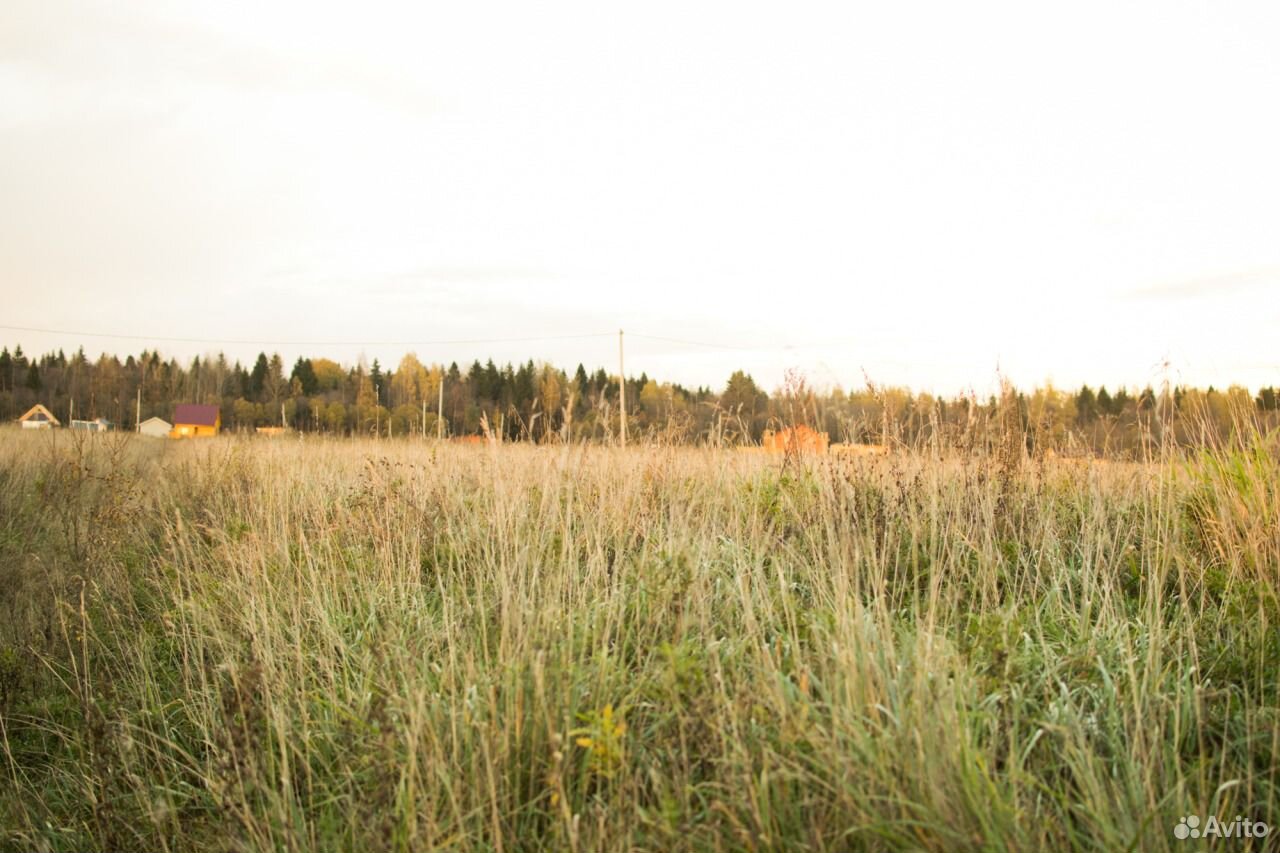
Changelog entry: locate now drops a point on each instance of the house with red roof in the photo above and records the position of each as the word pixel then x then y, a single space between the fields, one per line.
pixel 195 421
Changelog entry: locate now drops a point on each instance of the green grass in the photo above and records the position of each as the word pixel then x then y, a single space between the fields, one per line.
pixel 328 645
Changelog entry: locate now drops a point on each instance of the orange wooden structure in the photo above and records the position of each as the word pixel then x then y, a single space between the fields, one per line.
pixel 38 417
pixel 799 439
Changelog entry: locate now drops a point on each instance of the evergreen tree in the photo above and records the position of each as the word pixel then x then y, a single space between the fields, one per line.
pixel 221 375
pixel 600 382
pixel 1086 406
pixel 742 393
pixel 305 373
pixel 524 388
pixel 33 377
pixel 476 381
pixel 194 375
pixel 239 381
pixel 581 391
pixel 18 367
pixel 376 377
pixel 507 384
pixel 388 382
pixel 492 382
pixel 258 378
pixel 743 399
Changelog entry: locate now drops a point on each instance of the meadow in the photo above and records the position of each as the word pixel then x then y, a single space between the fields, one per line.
pixel 326 644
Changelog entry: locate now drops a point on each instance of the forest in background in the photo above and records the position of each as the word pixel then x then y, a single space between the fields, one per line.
pixel 540 402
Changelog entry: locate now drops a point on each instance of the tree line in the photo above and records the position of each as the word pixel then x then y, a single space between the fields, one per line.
pixel 540 402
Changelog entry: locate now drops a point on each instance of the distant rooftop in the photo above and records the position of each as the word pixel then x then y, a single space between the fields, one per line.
pixel 195 415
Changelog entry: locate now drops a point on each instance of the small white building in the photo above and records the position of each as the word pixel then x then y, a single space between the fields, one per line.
pixel 155 427
pixel 95 425
pixel 38 417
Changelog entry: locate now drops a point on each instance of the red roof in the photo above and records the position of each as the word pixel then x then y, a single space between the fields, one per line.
pixel 194 415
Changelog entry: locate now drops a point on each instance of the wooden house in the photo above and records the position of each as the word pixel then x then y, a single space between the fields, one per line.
pixel 799 439
pixel 195 421
pixel 38 417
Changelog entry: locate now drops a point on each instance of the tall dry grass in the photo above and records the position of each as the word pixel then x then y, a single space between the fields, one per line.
pixel 333 645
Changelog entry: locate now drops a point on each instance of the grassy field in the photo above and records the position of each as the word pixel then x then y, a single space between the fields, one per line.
pixel 335 645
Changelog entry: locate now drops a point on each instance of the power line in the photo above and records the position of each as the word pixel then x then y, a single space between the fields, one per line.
pixel 833 343
pixel 761 347
pixel 690 343
pixel 770 348
pixel 440 342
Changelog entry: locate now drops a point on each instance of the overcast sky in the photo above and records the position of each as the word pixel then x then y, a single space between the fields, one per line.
pixel 919 193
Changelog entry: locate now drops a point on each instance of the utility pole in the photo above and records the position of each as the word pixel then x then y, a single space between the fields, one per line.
pixel 137 418
pixel 439 409
pixel 424 417
pixel 622 390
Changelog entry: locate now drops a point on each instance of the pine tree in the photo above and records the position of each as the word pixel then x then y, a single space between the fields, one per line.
pixel 305 373
pixel 492 382
pixel 600 382
pixel 375 376
pixel 476 381
pixel 581 391
pixel 524 390
pixel 18 367
pixel 240 381
pixel 1086 405
pixel 258 378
